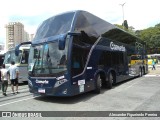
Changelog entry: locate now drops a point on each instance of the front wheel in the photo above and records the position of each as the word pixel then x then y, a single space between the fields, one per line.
pixel 98 84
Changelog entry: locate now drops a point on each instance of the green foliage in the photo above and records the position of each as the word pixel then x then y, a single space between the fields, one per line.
pixel 128 30
pixel 120 26
pixel 158 25
pixel 151 36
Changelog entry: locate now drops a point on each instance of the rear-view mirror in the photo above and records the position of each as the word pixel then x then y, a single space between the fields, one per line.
pixel 61 43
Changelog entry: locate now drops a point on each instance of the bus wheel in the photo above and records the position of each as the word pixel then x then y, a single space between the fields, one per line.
pixel 140 72
pixel 144 72
pixel 98 84
pixel 110 81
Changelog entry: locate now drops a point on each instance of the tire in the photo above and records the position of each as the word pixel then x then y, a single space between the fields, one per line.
pixel 144 71
pixel 110 81
pixel 98 84
pixel 140 72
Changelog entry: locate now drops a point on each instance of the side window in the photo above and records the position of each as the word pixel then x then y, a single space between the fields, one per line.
pixel 25 57
pixel 121 58
pixel 102 59
pixel 108 58
pixel 117 58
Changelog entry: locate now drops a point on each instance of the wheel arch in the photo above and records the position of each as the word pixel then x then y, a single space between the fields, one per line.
pixel 103 75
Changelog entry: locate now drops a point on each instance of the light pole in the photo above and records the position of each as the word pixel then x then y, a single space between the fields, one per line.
pixel 122 13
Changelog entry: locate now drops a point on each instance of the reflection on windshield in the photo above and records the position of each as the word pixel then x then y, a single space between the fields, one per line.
pixel 47 60
pixel 56 25
pixel 10 56
pixel 135 57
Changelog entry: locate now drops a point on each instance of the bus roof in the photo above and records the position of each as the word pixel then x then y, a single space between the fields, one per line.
pixel 2 52
pixel 21 48
pixel 77 21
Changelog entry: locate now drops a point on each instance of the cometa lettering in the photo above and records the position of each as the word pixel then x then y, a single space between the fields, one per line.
pixel 42 82
pixel 117 47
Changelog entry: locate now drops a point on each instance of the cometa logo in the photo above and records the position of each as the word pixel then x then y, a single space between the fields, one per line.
pixel 42 82
pixel 117 47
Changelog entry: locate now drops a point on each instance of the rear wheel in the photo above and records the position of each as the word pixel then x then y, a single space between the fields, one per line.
pixel 144 71
pixel 140 72
pixel 98 84
pixel 110 81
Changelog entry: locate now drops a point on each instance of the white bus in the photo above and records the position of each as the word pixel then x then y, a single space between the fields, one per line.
pixel 21 61
pixel 2 53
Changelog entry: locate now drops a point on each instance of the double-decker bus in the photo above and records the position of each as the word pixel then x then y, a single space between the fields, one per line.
pixel 76 52
pixel 21 61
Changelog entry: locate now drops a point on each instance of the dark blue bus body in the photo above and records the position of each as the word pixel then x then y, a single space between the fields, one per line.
pixel 77 52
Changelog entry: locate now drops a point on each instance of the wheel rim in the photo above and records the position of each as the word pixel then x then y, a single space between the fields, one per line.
pixel 99 81
pixel 111 78
pixel 140 72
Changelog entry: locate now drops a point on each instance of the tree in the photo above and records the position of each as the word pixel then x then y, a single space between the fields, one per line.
pixel 130 29
pixel 125 24
pixel 151 36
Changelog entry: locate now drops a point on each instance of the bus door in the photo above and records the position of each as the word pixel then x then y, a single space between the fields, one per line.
pixel 25 56
pixel 77 65
pixel 78 62
pixel 77 70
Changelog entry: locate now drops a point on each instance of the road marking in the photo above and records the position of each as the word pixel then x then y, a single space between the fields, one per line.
pixel 18 101
pixel 151 75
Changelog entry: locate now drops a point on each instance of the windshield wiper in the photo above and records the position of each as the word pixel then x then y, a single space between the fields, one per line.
pixel 33 72
pixel 35 62
pixel 49 62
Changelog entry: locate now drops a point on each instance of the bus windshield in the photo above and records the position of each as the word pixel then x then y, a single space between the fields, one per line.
pixel 136 57
pixel 47 60
pixel 55 26
pixel 10 56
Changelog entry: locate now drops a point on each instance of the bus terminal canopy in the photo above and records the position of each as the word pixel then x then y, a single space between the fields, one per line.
pixel 57 27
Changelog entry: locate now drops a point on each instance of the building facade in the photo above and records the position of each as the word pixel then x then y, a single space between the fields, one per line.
pixel 15 34
pixel 2 47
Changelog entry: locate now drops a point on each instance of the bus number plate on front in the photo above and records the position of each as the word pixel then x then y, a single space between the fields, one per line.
pixel 41 90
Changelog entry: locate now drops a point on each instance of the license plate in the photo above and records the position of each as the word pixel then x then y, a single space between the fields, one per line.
pixel 41 90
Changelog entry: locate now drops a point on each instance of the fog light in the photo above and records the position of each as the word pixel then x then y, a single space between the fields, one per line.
pixel 65 91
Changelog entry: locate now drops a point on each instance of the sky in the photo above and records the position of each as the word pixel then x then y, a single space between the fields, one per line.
pixel 140 14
